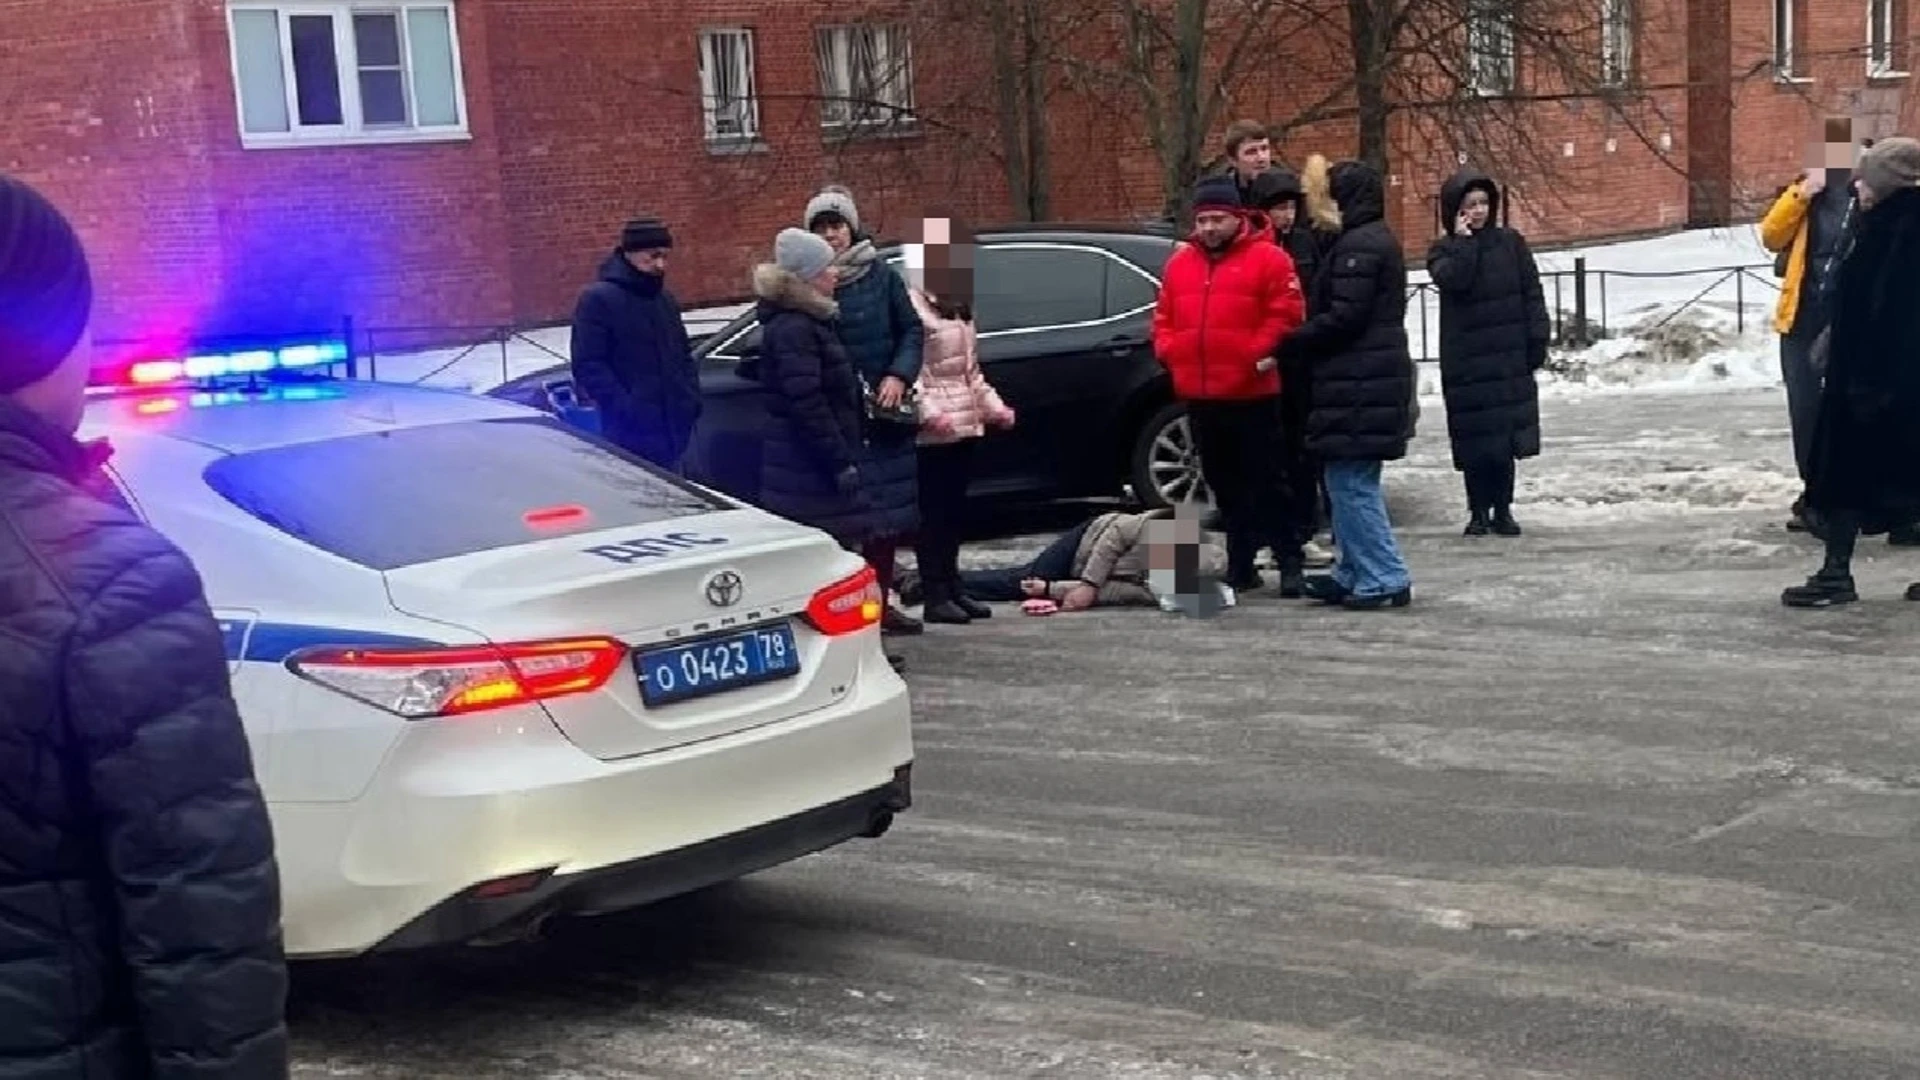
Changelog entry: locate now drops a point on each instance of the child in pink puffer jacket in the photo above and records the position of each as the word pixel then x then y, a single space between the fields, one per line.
pixel 957 405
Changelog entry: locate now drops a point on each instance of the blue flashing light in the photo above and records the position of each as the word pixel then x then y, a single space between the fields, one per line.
pixel 210 366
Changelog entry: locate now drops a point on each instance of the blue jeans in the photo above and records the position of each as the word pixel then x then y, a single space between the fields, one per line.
pixel 1053 564
pixel 1370 563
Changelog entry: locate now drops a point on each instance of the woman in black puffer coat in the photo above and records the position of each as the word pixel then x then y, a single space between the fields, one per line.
pixel 883 337
pixel 1493 337
pixel 1361 413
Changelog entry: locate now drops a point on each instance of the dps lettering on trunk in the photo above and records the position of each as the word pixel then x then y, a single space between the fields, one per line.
pixel 643 548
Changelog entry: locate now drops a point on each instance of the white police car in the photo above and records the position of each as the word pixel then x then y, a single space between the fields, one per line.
pixel 493 671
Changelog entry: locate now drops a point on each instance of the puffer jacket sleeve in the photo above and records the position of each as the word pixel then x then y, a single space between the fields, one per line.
pixel 183 828
pixel 591 353
pixel 985 397
pixel 1352 291
pixel 1539 323
pixel 794 351
pixel 1783 219
pixel 907 328
pixel 1453 262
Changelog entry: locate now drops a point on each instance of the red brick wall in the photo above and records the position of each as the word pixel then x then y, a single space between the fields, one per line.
pixel 599 112
pixel 1774 122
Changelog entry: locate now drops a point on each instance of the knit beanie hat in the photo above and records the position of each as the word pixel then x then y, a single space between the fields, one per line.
pixel 1216 193
pixel 645 234
pixel 801 253
pixel 1890 165
pixel 46 289
pixel 834 201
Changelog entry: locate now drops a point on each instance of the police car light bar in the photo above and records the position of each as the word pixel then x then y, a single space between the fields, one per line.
pixel 155 373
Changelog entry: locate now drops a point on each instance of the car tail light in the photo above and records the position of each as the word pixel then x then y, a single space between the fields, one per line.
pixel 847 606
pixel 422 683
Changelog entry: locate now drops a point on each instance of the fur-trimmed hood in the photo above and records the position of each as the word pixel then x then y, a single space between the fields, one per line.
pixel 1316 183
pixel 782 289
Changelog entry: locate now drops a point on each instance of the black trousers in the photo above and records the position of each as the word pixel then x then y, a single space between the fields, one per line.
pixel 1301 476
pixel 1490 486
pixel 1240 459
pixel 944 474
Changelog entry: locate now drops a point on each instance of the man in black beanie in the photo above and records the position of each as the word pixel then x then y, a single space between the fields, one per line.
pixel 140 907
pixel 631 354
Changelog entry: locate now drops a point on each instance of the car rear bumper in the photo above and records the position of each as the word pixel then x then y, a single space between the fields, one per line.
pixel 472 801
pixel 477 916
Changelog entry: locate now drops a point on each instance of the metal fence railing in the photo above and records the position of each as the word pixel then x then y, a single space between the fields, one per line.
pixel 1586 306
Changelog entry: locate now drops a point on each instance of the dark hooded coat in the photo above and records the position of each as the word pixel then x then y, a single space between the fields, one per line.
pixel 632 357
pixel 1355 337
pixel 814 412
pixel 1493 332
pixel 883 336
pixel 1866 443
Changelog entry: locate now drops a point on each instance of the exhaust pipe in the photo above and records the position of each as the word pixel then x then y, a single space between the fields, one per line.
pixel 878 824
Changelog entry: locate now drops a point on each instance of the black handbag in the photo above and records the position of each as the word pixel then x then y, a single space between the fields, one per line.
pixel 907 412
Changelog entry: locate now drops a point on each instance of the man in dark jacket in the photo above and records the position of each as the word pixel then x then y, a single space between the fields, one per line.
pixel 1494 332
pixel 631 354
pixel 1355 339
pixel 1227 298
pixel 139 902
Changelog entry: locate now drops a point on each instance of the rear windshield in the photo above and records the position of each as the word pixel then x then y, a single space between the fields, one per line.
pixel 395 498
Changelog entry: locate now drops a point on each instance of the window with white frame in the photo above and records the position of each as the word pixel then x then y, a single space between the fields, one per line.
pixel 728 100
pixel 1618 28
pixel 1490 47
pixel 866 75
pixel 1887 45
pixel 346 71
pixel 1789 39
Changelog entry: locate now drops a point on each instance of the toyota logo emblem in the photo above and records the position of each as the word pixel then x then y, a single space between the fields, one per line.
pixel 725 588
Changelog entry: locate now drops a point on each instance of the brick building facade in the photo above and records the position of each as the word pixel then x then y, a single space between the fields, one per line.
pixel 265 166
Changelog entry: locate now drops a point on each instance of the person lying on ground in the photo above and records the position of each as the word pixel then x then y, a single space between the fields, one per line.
pixel 1102 562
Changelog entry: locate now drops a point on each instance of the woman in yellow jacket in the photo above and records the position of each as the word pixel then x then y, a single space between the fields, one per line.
pixel 1808 224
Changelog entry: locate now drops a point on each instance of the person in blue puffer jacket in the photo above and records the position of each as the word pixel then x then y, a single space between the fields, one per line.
pixel 883 335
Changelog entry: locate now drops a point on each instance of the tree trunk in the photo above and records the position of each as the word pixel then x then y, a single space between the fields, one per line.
pixel 1369 29
pixel 1012 118
pixel 1035 37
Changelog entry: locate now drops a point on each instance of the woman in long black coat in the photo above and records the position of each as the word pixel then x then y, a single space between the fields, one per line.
pixel 1493 337
pixel 1864 470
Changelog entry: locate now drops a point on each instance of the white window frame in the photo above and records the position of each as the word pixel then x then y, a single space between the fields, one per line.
pixel 352 131
pixel 1786 62
pixel 746 97
pixel 1490 27
pixel 1883 40
pixel 1619 32
pixel 845 104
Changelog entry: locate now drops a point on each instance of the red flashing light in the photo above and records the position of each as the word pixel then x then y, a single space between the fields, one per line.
pixel 422 683
pixel 554 517
pixel 847 606
pixel 152 372
pixel 157 406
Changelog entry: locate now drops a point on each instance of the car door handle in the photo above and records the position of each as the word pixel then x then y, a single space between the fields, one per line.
pixel 1121 346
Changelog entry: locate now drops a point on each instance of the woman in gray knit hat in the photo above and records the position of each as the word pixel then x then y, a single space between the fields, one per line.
pixel 1864 472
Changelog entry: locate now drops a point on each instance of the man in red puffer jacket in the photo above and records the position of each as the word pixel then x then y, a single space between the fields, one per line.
pixel 1227 297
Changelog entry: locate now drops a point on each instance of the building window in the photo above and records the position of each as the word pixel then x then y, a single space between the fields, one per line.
pixel 728 101
pixel 1490 47
pixel 1618 30
pixel 346 71
pixel 1887 44
pixel 866 76
pixel 1790 39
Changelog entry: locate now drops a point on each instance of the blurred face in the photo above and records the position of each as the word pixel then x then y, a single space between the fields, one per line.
pixel 837 233
pixel 1216 228
pixel 1834 155
pixel 1254 157
pixel 649 261
pixel 1478 207
pixel 1283 215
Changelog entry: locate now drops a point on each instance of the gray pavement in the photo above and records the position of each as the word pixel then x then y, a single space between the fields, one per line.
pixel 1596 807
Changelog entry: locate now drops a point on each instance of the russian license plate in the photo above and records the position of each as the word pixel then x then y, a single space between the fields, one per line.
pixel 707 667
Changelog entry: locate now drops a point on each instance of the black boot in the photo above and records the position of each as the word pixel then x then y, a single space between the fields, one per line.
pixel 1324 588
pixel 1503 523
pixel 1913 592
pixel 1478 524
pixel 897 623
pixel 972 607
pixel 1293 583
pixel 941 609
pixel 907 584
pixel 1827 588
pixel 1378 603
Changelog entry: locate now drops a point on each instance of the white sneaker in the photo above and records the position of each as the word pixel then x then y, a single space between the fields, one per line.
pixel 1315 557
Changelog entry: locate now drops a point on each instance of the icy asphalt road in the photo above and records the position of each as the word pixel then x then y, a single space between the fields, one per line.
pixel 1597 807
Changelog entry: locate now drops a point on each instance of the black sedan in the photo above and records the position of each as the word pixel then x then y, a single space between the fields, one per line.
pixel 1064 315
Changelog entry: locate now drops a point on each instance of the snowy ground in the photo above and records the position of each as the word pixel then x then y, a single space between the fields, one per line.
pixel 1597 807
pixel 1671 332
